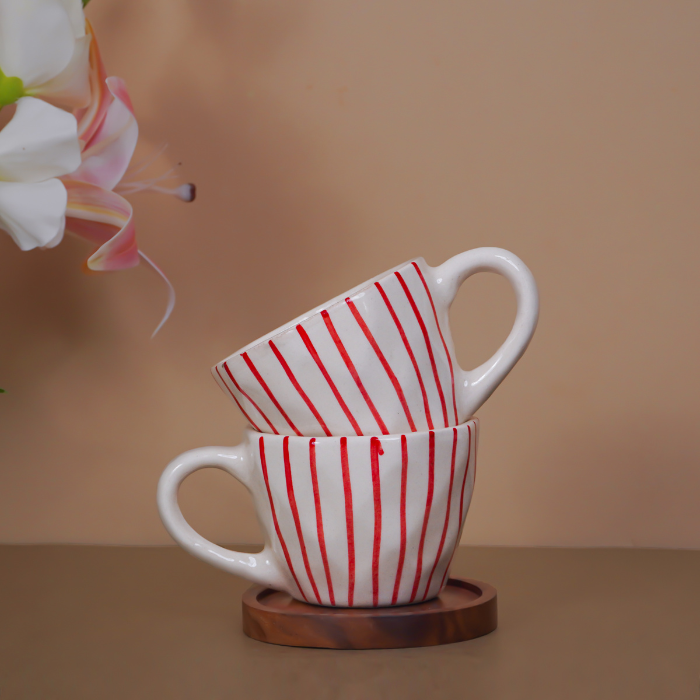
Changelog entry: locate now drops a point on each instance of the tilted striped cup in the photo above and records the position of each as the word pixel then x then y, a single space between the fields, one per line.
pixel 348 521
pixel 379 359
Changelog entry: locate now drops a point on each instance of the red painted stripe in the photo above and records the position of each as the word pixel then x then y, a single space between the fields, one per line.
pixel 351 368
pixel 428 344
pixel 263 464
pixel 447 513
pixel 238 403
pixel 257 408
pixel 402 549
pixel 375 451
pixel 444 344
pixel 382 359
pixel 295 515
pixel 461 504
pixel 297 386
pixel 264 385
pixel 349 521
pixel 319 518
pixel 476 454
pixel 409 350
pixel 428 505
pixel 312 350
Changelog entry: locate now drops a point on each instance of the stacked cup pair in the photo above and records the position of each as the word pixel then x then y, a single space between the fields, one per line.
pixel 361 455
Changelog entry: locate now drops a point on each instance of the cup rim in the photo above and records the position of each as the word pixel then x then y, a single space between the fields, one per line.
pixel 249 430
pixel 321 307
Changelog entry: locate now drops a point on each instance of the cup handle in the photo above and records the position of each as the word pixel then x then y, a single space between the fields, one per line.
pixel 260 568
pixel 478 384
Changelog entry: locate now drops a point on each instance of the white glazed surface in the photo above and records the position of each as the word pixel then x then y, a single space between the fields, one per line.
pixel 380 358
pixel 348 521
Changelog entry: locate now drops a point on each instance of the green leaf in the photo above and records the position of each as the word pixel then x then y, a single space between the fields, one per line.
pixel 2 391
pixel 85 2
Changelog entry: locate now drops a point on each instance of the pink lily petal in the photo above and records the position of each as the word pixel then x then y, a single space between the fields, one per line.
pixel 108 153
pixel 118 89
pixel 90 118
pixel 105 218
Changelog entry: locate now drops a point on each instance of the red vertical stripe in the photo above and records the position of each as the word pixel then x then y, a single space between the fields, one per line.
pixel 319 518
pixel 402 549
pixel 238 403
pixel 263 464
pixel 461 503
pixel 297 386
pixel 351 368
pixel 312 351
pixel 295 515
pixel 428 504
pixel 444 344
pixel 380 355
pixel 428 344
pixel 375 451
pixel 257 408
pixel 409 350
pixel 476 421
pixel 447 513
pixel 349 521
pixel 264 385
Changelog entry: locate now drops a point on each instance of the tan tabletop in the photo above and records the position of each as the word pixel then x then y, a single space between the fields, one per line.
pixel 127 623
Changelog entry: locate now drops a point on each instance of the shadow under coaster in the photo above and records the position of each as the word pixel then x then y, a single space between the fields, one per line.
pixel 465 609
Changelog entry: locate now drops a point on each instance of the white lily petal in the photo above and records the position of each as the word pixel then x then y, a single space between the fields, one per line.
pixel 33 214
pixel 39 142
pixel 36 40
pixel 57 238
pixel 74 10
pixel 71 87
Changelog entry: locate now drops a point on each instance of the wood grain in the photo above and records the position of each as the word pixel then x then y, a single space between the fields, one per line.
pixel 466 609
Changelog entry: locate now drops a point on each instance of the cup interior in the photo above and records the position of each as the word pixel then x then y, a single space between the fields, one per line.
pixel 321 307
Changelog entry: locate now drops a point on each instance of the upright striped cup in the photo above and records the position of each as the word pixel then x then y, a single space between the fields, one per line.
pixel 379 359
pixel 348 521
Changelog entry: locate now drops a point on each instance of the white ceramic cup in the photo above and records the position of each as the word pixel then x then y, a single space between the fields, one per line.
pixel 378 359
pixel 348 521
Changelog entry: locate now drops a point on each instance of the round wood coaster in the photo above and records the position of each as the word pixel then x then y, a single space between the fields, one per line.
pixel 464 610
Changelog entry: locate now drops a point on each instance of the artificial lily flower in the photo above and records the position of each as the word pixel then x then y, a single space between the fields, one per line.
pixel 39 144
pixel 44 52
pixel 96 211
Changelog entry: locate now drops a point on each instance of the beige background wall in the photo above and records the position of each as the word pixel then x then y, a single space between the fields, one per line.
pixel 330 141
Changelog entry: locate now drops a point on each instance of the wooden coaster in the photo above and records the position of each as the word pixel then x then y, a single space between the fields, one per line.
pixel 464 610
